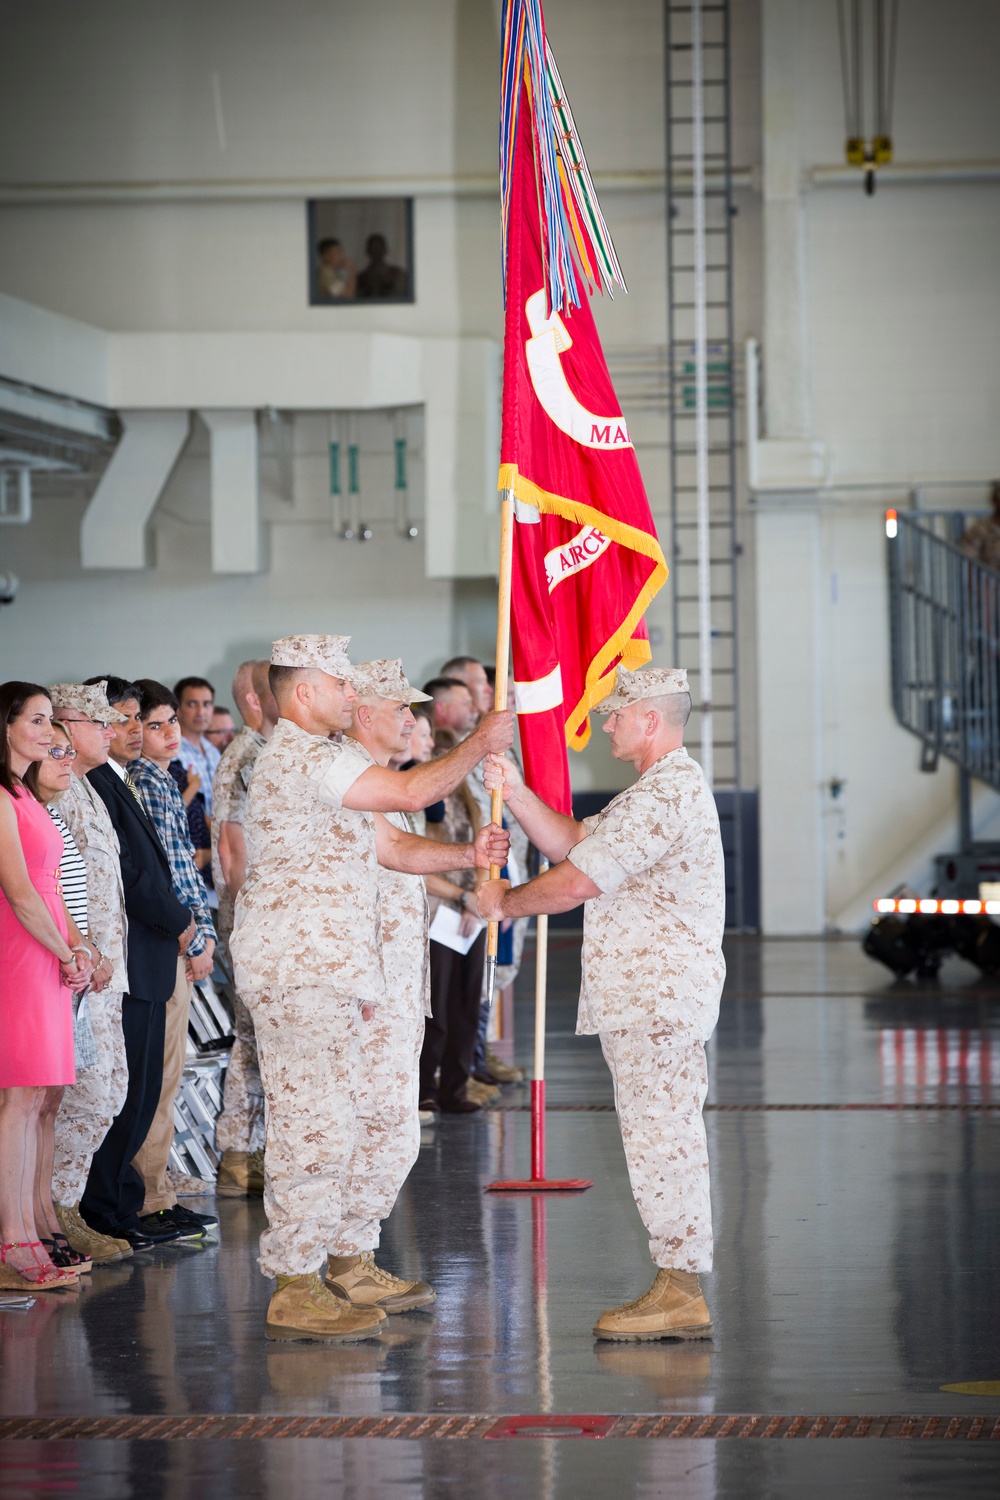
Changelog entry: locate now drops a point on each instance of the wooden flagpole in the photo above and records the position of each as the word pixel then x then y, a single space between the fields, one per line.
pixel 500 702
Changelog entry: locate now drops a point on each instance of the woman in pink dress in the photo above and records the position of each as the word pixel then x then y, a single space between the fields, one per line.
pixel 44 959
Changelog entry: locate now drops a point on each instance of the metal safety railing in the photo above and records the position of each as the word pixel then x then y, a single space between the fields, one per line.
pixel 944 610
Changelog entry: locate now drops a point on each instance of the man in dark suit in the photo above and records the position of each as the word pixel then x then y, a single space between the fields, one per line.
pixel 157 925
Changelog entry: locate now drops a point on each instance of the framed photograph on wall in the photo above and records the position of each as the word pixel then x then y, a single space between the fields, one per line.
pixel 360 250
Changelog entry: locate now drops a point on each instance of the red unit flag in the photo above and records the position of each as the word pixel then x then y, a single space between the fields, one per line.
pixel 587 561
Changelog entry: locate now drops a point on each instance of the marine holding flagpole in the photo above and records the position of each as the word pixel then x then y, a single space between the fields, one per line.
pixel 650 871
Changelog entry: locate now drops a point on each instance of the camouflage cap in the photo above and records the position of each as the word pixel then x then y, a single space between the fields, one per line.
pixel 325 653
pixel 648 682
pixel 385 679
pixel 89 702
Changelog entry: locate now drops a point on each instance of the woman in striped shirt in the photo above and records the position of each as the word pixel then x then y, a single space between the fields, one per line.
pixel 54 775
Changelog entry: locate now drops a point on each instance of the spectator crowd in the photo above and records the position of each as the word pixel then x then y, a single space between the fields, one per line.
pixel 122 855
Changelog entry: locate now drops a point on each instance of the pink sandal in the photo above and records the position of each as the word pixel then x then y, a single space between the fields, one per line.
pixel 47 1277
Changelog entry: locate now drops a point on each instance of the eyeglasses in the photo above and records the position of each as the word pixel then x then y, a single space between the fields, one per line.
pixel 62 752
pixel 101 724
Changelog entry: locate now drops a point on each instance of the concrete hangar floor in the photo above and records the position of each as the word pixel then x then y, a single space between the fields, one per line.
pixel 853 1124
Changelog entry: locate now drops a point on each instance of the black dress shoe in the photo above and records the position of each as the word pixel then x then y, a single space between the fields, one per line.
pixel 160 1227
pixel 135 1238
pixel 186 1217
pixel 429 1106
pixel 460 1107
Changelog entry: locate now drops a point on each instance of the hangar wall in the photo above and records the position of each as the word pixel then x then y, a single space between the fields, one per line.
pixel 879 345
pixel 152 181
pixel 143 216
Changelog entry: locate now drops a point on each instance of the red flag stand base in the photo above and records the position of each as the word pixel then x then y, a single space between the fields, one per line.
pixel 538 1182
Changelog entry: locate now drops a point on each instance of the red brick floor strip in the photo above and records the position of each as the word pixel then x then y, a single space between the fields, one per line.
pixel 473 1425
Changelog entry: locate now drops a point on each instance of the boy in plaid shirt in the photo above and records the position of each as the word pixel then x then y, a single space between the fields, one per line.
pixel 165 807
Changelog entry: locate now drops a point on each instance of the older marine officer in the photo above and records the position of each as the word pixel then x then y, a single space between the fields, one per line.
pixel 650 869
pixel 89 1107
pixel 306 954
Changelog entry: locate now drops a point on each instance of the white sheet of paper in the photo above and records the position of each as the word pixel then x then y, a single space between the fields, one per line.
pixel 444 929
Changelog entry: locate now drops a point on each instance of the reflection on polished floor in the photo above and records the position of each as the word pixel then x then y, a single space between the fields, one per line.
pixel 857 1263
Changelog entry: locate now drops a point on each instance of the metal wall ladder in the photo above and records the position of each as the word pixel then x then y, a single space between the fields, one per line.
pixel 703 546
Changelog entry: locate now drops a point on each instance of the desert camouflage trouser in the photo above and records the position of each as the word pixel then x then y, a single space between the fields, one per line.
pixel 388 1129
pixel 342 1130
pixel 90 1105
pixel 661 1079
pixel 240 1126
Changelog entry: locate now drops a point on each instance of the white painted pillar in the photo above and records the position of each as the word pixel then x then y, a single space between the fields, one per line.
pixel 461 382
pixel 235 491
pixel 113 530
pixel 788 557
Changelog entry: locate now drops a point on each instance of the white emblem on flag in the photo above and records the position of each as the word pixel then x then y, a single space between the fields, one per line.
pixel 572 557
pixel 535 697
pixel 550 338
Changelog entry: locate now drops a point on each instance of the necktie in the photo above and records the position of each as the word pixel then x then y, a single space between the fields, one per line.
pixel 133 789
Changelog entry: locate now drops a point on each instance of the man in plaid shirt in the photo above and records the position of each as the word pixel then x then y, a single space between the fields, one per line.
pixel 165 807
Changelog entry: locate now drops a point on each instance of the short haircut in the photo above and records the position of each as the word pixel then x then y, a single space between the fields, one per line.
pixel 220 708
pixel 154 695
pixel 119 690
pixel 325 245
pixel 180 688
pixel 675 708
pixel 246 679
pixel 459 664
pixel 13 698
pixel 280 679
pixel 438 686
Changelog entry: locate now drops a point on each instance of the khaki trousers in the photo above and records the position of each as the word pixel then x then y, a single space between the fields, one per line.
pixel 154 1154
pixel 89 1106
pixel 661 1079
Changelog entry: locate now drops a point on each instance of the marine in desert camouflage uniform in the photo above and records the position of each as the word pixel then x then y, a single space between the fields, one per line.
pixel 388 1130
pixel 650 869
pixel 307 961
pixel 90 1105
pixel 239 1130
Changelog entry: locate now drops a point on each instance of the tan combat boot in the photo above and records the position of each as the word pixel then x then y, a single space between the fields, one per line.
pixel 302 1308
pixel 360 1281
pixel 481 1093
pixel 237 1177
pixel 503 1072
pixel 673 1308
pixel 103 1249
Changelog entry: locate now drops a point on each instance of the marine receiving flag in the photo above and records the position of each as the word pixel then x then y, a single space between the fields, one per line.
pixel 586 559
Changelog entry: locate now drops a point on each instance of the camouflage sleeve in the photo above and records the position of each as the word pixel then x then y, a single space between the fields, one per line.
pixel 337 773
pixel 630 836
pixel 229 793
